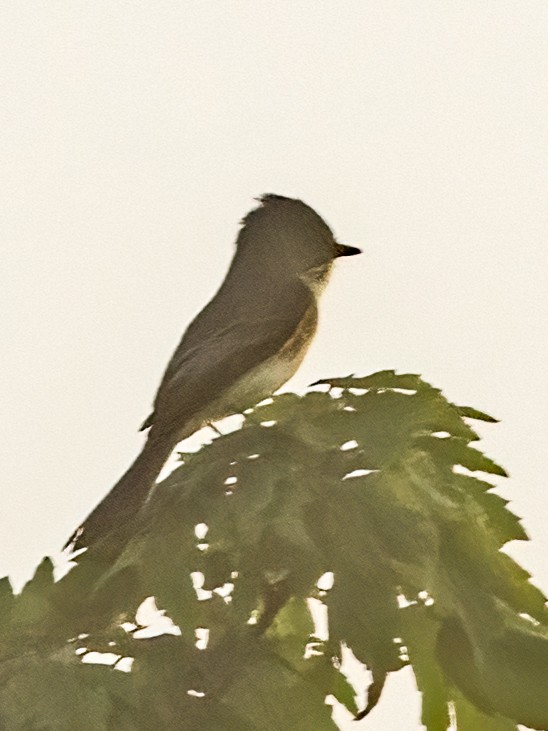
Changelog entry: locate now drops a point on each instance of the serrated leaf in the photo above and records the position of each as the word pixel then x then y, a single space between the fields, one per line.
pixel 419 631
pixel 344 693
pixel 456 451
pixel 33 605
pixel 373 693
pixel 379 380
pixel 7 603
pixel 471 413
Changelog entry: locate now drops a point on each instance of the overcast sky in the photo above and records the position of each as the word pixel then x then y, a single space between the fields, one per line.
pixel 134 136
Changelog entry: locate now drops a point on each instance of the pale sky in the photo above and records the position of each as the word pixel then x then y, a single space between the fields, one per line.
pixel 134 136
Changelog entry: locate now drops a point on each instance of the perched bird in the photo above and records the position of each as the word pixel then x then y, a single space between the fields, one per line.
pixel 245 344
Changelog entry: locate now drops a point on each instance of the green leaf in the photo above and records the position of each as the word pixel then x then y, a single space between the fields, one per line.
pixel 471 413
pixel 373 693
pixel 344 693
pixel 469 718
pixel 268 695
pixel 33 605
pixel 377 381
pixel 419 630
pixel 455 451
pixel 7 603
pixel 41 694
pixel 290 631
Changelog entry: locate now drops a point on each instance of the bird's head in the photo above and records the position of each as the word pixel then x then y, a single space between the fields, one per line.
pixel 290 236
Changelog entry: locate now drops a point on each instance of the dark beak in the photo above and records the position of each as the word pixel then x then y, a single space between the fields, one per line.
pixel 343 250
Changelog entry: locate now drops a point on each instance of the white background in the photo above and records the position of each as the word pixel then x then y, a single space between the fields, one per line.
pixel 133 138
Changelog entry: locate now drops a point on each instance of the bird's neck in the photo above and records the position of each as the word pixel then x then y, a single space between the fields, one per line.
pixel 316 279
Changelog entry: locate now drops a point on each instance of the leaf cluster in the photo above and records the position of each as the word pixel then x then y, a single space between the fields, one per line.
pixel 371 480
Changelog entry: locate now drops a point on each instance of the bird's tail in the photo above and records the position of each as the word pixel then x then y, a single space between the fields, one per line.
pixel 127 496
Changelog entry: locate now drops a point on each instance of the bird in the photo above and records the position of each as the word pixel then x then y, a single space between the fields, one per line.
pixel 241 348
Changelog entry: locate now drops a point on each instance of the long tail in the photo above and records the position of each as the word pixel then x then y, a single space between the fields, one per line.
pixel 128 495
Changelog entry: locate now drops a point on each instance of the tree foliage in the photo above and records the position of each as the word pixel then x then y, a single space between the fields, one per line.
pixel 372 479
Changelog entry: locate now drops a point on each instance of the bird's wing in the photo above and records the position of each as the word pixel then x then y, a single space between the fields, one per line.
pixel 200 372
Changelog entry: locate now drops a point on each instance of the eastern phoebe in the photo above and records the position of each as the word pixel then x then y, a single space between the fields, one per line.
pixel 245 344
